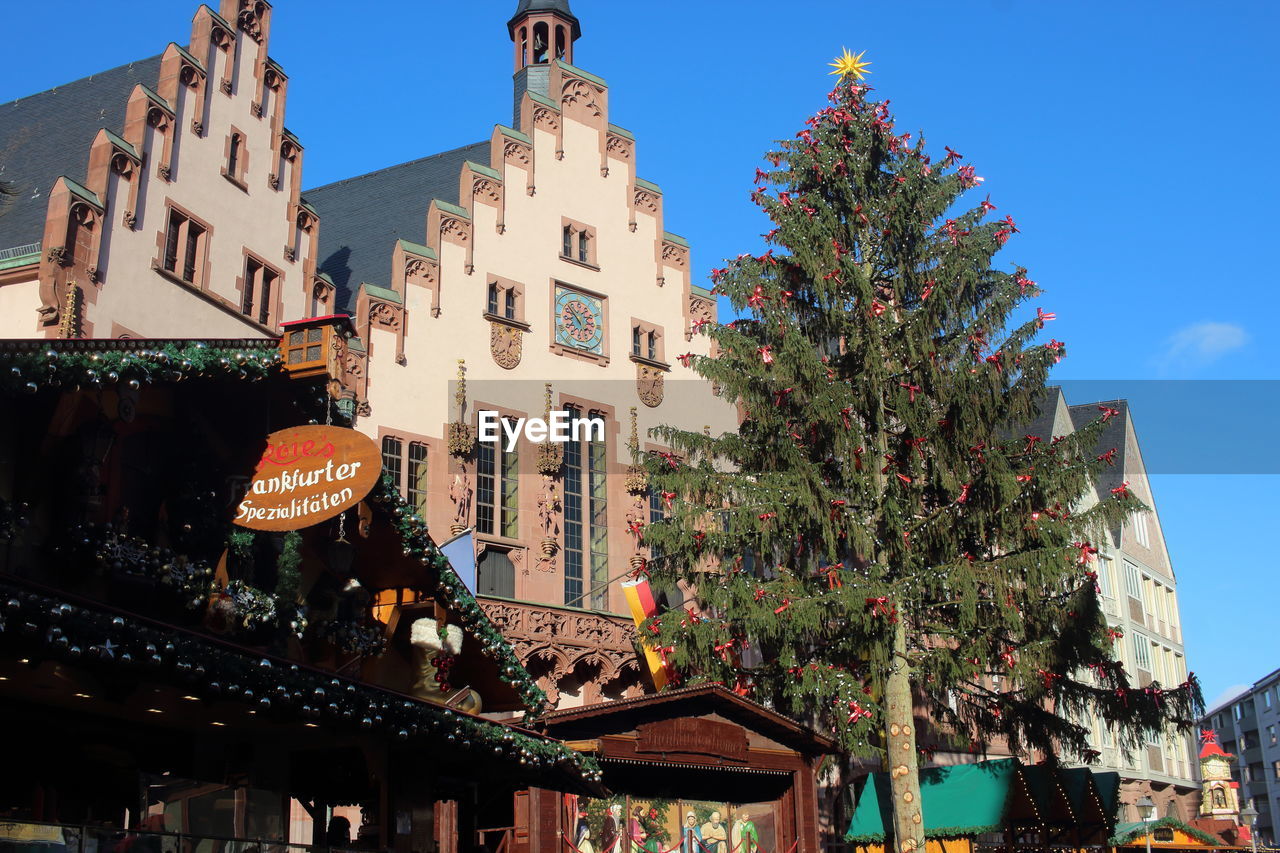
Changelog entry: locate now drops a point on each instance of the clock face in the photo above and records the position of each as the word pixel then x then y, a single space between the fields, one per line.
pixel 579 321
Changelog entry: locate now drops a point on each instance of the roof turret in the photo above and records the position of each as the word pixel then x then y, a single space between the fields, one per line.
pixel 560 7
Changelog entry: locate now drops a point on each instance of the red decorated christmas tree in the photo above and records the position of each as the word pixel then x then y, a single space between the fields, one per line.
pixel 879 535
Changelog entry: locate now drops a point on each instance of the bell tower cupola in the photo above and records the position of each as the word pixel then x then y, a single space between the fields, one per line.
pixel 543 30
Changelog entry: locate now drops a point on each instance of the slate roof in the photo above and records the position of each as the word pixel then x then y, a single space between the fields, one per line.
pixel 561 6
pixel 362 217
pixel 1112 435
pixel 1042 426
pixel 46 135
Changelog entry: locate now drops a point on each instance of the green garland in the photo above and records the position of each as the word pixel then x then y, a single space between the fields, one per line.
pixel 253 607
pixel 419 545
pixel 46 626
pixel 93 364
pixel 1171 823
pixel 112 551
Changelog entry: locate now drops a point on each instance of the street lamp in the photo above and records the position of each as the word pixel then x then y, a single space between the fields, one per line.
pixel 1147 811
pixel 1249 815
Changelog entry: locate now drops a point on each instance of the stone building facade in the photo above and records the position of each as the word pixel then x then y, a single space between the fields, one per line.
pixel 162 198
pixel 1140 600
pixel 1247 727
pixel 535 263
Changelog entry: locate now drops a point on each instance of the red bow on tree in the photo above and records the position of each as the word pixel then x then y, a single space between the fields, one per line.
pixel 685 358
pixel 1043 317
pixel 766 354
pixel 964 493
pixel 856 712
pixel 1109 457
pixel 986 203
pixel 833 576
pixel 881 607
pixel 1108 413
pixel 1122 490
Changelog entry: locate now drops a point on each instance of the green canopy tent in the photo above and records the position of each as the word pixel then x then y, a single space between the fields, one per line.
pixel 1020 805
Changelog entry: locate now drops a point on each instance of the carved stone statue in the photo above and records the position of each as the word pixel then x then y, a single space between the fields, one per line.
pixel 549 509
pixel 460 493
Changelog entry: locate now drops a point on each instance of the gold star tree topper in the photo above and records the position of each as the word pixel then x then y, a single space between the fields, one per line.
pixel 851 64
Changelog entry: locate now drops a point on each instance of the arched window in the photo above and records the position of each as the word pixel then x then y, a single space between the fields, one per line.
pixel 524 46
pixel 1219 798
pixel 541 43
pixel 560 43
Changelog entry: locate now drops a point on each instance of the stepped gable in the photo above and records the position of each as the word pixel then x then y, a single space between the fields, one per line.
pixel 365 215
pixel 47 135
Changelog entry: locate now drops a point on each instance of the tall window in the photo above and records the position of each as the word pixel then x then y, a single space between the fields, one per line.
pixel 259 290
pixel 1133 581
pixel 1140 532
pixel 586 514
pixel 657 513
pixel 184 247
pixel 1104 576
pixel 566 247
pixel 584 246
pixel 497 489
pixel 416 484
pixel 233 156
pixel 409 474
pixel 392 452
pixel 1141 651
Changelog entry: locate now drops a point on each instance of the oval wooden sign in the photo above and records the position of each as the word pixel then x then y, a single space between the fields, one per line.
pixel 308 474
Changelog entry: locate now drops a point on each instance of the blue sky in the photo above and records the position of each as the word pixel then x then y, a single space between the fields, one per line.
pixel 1130 141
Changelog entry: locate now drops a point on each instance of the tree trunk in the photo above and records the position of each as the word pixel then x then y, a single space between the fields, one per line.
pixel 900 738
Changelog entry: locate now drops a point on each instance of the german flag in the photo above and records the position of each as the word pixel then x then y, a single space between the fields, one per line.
pixel 640 600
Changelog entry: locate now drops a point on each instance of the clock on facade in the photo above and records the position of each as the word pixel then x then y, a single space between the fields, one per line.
pixel 579 321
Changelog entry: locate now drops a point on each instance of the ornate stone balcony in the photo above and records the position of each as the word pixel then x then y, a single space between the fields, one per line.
pixel 586 655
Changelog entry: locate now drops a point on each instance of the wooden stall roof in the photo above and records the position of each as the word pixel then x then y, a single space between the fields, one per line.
pixel 1181 836
pixel 592 720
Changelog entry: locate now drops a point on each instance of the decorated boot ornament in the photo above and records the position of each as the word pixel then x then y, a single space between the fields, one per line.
pixel 436 647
